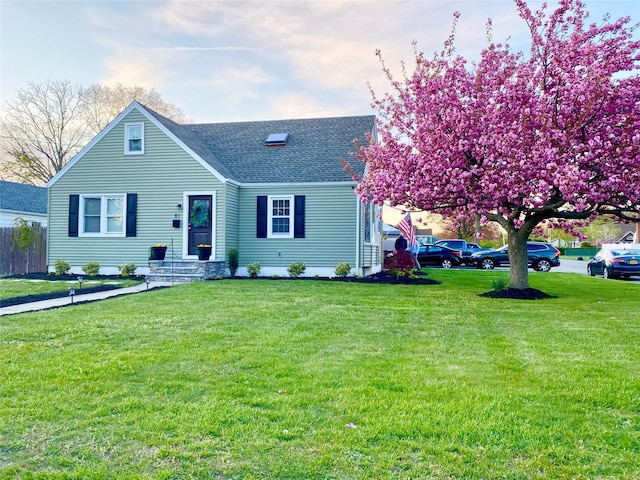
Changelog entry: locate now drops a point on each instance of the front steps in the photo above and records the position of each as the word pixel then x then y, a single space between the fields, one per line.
pixel 181 271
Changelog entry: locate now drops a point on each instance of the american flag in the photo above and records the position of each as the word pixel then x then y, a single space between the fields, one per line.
pixel 406 227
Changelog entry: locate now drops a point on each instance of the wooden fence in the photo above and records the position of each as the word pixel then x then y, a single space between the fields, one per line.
pixel 15 262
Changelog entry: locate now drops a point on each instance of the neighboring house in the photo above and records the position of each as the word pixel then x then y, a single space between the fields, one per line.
pixel 629 234
pixel 275 190
pixel 18 200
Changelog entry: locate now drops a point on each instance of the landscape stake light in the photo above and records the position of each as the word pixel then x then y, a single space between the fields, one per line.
pixel 72 292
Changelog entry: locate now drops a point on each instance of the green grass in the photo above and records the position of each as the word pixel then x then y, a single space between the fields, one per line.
pixel 16 287
pixel 259 379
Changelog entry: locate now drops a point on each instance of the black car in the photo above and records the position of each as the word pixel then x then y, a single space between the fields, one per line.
pixel 439 255
pixel 615 263
pixel 542 256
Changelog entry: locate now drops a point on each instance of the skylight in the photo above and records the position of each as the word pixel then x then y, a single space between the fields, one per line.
pixel 276 139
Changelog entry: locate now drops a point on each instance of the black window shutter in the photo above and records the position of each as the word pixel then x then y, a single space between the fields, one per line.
pixel 298 224
pixel 74 210
pixel 261 221
pixel 132 209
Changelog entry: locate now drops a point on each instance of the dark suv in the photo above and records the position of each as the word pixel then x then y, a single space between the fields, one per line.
pixel 542 256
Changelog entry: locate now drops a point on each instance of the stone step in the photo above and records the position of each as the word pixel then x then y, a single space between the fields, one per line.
pixel 177 278
pixel 185 271
pixel 179 270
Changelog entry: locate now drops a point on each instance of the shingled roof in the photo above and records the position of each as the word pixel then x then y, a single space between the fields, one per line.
pixel 18 197
pixel 311 154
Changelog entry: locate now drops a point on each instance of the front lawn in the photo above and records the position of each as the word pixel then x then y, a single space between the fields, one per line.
pixel 296 379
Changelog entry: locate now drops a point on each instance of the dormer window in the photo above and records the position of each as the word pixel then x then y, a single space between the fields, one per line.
pixel 133 138
pixel 276 139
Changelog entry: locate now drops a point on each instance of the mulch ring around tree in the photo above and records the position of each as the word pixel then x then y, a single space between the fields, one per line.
pixel 73 282
pixel 517 294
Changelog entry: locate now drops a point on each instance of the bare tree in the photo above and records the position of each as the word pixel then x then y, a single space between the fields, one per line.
pixel 48 123
pixel 42 129
pixel 104 103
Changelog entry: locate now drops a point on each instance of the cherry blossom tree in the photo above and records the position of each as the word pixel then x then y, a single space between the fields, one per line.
pixel 551 136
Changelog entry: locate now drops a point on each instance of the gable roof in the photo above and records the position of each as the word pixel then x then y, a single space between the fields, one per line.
pixel 311 154
pixel 19 197
pixel 237 151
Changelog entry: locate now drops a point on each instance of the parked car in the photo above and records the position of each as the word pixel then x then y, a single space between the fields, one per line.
pixel 542 256
pixel 439 255
pixel 615 263
pixel 466 248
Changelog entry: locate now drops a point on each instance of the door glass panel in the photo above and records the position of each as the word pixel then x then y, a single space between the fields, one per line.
pixel 199 215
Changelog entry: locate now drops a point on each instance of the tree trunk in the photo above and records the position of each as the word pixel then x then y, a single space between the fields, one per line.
pixel 519 271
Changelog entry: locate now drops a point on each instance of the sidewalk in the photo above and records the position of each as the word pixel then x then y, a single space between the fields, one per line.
pixel 89 297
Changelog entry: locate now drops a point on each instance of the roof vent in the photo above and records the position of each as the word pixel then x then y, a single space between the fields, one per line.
pixel 276 139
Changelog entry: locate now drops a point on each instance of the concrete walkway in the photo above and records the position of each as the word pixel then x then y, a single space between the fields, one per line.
pixel 88 297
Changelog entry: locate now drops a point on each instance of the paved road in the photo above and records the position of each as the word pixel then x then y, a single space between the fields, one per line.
pixel 572 266
pixel 575 266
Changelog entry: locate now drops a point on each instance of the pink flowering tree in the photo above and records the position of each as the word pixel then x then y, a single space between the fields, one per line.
pixel 549 136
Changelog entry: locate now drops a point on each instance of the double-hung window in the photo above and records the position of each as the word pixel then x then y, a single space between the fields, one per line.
pixel 102 215
pixel 134 138
pixel 280 220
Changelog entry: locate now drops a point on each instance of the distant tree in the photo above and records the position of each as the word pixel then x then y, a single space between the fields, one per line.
pixel 41 129
pixel 603 229
pixel 518 139
pixel 46 124
pixel 104 103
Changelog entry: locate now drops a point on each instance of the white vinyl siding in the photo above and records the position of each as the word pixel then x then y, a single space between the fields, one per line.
pixel 134 138
pixel 102 215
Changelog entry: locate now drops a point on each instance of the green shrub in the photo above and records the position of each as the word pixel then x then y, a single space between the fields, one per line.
pixel 127 269
pixel 343 269
pixel 62 267
pixel 296 269
pixel 234 255
pixel 499 284
pixel 91 268
pixel 253 269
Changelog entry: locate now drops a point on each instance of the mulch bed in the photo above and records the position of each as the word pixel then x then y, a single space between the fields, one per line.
pixel 8 302
pixel 517 294
pixel 379 278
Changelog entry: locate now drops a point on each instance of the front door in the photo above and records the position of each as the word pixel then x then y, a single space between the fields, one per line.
pixel 200 218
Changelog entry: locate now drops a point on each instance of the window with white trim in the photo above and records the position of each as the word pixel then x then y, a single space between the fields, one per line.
pixel 102 215
pixel 133 138
pixel 371 222
pixel 280 218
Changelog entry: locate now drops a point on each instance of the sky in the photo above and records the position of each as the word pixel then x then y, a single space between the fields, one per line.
pixel 223 61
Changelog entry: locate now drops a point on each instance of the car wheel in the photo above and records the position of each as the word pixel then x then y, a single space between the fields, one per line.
pixel 446 263
pixel 590 272
pixel 487 264
pixel 543 265
pixel 606 274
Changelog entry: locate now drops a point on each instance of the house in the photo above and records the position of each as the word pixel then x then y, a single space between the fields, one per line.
pixel 629 233
pixel 18 200
pixel 275 190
